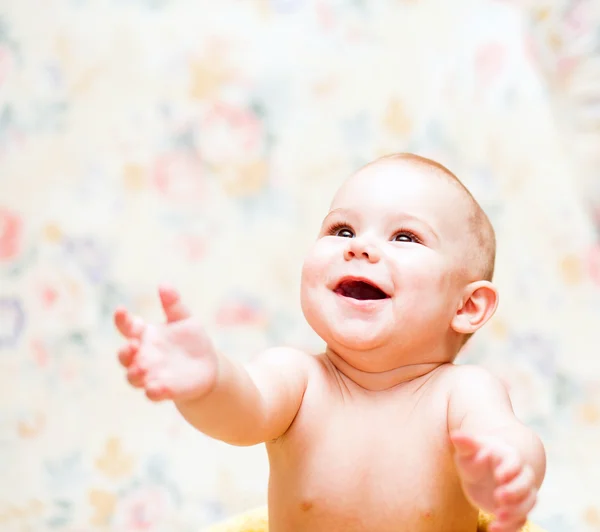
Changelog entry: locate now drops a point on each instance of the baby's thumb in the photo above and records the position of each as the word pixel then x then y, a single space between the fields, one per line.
pixel 172 305
pixel 464 444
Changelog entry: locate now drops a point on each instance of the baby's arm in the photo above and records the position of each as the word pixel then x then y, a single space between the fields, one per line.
pixel 501 462
pixel 251 403
pixel 239 404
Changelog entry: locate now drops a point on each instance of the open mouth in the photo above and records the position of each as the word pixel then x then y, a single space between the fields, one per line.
pixel 360 289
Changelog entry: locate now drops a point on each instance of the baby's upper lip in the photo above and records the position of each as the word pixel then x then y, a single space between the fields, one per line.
pixel 357 278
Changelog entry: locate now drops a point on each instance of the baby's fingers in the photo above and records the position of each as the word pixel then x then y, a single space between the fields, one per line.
pixel 476 469
pixel 172 306
pixel 472 460
pixel 127 352
pixel 128 325
pixel 465 445
pixel 517 489
pixel 136 376
pixel 157 391
pixel 508 466
pixel 513 517
pixel 508 526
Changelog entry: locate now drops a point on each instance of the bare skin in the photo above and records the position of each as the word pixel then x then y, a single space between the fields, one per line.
pixel 381 432
pixel 333 470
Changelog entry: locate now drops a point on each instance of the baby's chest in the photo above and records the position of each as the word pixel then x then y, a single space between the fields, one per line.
pixel 365 449
pixel 367 466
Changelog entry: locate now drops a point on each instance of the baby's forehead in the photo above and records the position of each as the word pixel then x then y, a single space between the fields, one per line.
pixel 401 184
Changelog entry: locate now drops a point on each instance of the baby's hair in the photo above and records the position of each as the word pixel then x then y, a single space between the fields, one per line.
pixel 484 253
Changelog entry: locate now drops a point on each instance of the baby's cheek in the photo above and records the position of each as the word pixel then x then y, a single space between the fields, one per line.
pixel 427 290
pixel 307 283
pixel 314 275
pixel 419 282
pixel 312 269
pixel 431 276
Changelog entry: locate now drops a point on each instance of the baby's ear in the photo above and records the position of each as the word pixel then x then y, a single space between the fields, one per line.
pixel 477 306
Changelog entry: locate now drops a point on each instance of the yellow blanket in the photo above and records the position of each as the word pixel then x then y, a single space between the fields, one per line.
pixel 256 521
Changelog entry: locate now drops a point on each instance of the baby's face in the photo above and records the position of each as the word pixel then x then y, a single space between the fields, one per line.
pixel 386 273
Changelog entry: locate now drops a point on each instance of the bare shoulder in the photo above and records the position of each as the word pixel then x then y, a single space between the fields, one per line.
pixel 475 392
pixel 471 379
pixel 285 359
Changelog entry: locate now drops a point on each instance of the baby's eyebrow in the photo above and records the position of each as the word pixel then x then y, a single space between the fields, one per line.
pixel 339 210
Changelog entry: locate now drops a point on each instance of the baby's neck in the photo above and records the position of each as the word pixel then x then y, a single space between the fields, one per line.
pixel 384 380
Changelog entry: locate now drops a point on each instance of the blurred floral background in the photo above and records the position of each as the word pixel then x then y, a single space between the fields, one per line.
pixel 198 142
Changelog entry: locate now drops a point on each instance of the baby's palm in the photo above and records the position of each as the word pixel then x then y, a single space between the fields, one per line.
pixel 171 361
pixel 495 480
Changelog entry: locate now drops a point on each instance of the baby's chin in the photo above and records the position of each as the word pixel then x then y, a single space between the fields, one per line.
pixel 346 333
pixel 368 358
pixel 356 340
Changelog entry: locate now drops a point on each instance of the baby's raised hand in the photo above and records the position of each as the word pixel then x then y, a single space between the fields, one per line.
pixel 495 479
pixel 175 360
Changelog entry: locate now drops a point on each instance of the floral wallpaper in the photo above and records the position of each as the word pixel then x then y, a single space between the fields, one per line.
pixel 199 143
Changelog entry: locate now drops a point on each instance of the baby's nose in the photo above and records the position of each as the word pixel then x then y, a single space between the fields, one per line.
pixel 357 249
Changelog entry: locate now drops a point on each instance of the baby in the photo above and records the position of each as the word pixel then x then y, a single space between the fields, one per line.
pixel 381 432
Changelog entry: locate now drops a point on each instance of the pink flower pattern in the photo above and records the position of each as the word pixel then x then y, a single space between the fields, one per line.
pixel 11 229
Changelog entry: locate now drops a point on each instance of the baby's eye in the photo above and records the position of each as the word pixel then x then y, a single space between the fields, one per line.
pixel 344 232
pixel 342 229
pixel 405 236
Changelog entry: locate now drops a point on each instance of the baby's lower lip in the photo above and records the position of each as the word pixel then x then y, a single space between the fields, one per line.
pixel 362 303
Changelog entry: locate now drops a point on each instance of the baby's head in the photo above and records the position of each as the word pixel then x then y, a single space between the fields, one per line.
pixel 401 272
